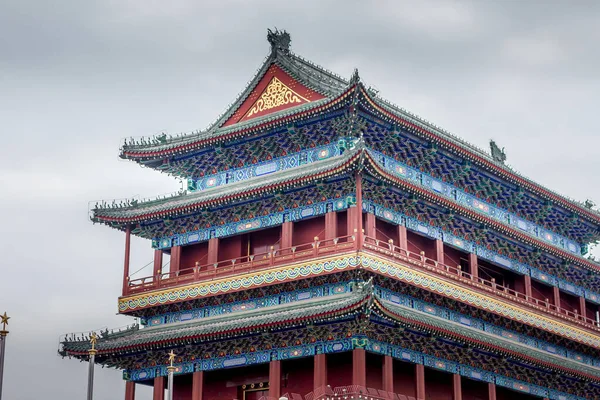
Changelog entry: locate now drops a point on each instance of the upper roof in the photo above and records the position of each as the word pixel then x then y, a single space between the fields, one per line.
pixel 287 88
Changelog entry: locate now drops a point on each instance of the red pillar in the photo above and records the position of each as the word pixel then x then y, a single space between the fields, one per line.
pixel 420 376
pixel 456 387
pixel 359 224
pixel 370 229
pixel 351 220
pixel 213 251
pixel 388 374
pixel 129 390
pixel 402 237
pixel 275 379
pixel 439 251
pixel 330 226
pixel 359 367
pixel 527 281
pixel 287 229
pixel 175 260
pixel 473 265
pixel 556 292
pixel 491 391
pixel 126 263
pixel 320 371
pixel 159 388
pixel 582 307
pixel 158 258
pixel 197 385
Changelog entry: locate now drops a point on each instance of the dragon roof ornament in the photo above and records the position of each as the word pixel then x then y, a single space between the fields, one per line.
pixel 280 40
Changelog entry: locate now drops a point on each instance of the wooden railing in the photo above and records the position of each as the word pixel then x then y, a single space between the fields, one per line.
pixel 240 265
pixel 457 274
pixel 322 247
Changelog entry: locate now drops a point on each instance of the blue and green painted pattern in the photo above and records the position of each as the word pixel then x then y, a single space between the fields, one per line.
pixel 481 251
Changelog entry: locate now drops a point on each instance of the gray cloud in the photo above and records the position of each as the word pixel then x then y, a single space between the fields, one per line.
pixel 76 77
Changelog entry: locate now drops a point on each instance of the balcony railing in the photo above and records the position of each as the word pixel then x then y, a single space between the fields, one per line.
pixel 318 247
pixel 457 274
pixel 240 265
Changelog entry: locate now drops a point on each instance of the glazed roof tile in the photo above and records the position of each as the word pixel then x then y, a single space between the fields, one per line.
pixel 204 197
pixel 236 321
pixel 485 337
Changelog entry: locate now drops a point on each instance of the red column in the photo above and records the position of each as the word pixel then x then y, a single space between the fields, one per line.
pixel 456 387
pixel 359 367
pixel 330 226
pixel 556 292
pixel 388 374
pixel 527 281
pixel 275 379
pixel 439 251
pixel 129 390
pixel 158 258
pixel 197 385
pixel 175 260
pixel 287 230
pixel 420 375
pixel 126 263
pixel 491 391
pixel 402 237
pixel 582 307
pixel 473 265
pixel 351 220
pixel 359 222
pixel 159 388
pixel 320 372
pixel 370 226
pixel 213 251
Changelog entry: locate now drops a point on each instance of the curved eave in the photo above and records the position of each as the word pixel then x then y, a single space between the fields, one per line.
pixel 374 168
pixel 478 159
pixel 337 168
pixel 336 312
pixel 238 130
pixel 497 349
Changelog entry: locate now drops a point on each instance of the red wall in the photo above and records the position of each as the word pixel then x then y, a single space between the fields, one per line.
pixel 261 241
pixel 591 309
pixel 418 243
pixel 503 276
pixel 474 390
pixel 233 247
pixel 404 378
pixel 386 231
pixel 226 384
pixel 569 302
pixel 438 385
pixel 191 254
pixel 542 291
pixel 342 223
pixel 374 371
pixel 297 375
pixel 182 385
pixel 305 230
pixel 339 369
pixel 454 257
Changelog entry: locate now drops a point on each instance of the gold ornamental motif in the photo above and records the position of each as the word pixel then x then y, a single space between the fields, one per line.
pixel 275 94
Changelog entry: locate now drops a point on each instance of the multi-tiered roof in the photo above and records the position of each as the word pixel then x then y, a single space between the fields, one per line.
pixel 291 147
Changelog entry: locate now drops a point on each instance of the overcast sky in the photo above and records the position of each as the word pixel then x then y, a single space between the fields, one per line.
pixel 76 77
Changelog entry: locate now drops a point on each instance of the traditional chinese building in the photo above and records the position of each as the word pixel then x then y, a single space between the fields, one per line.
pixel 332 245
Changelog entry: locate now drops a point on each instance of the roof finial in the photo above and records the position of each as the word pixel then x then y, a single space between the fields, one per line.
pixel 280 40
pixel 355 78
pixel 497 154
